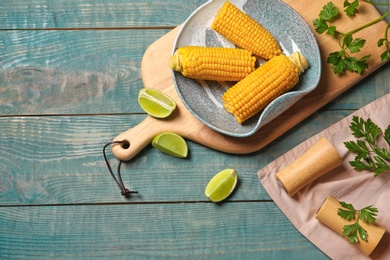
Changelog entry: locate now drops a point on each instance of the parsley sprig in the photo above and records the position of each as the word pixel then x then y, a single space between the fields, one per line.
pixel 353 231
pixel 369 156
pixel 344 60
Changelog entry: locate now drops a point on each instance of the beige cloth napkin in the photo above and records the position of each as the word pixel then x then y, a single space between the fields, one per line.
pixel 359 188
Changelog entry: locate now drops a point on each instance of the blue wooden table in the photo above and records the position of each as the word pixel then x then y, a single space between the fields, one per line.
pixel 69 77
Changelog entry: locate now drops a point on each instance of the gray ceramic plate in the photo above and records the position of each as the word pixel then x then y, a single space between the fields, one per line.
pixel 203 99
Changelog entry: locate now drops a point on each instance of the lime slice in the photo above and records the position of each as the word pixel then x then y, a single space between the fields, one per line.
pixel 171 143
pixel 221 185
pixel 156 103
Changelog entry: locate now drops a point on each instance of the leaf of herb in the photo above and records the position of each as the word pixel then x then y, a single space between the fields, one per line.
pixel 356 45
pixel 357 65
pixel 359 165
pixel 329 11
pixel 348 213
pixel 347 40
pixel 381 42
pixel 320 25
pixel 368 214
pixel 351 8
pixel 381 165
pixel 362 233
pixel 385 56
pixel 383 153
pixel 347 205
pixel 371 131
pixel 332 30
pixel 359 147
pixel 357 127
pixel 373 158
pixel 351 232
pixel 386 135
pixel 336 60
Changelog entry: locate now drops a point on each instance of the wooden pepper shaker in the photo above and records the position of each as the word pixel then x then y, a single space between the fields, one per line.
pixel 321 158
pixel 327 215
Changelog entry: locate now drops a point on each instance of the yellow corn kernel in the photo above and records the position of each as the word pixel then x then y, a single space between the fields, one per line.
pixel 245 32
pixel 275 77
pixel 213 63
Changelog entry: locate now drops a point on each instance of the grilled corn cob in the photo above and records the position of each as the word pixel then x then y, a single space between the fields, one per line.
pixel 245 32
pixel 258 89
pixel 213 63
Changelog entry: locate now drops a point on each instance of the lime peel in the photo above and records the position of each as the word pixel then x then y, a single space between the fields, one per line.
pixel 221 185
pixel 171 143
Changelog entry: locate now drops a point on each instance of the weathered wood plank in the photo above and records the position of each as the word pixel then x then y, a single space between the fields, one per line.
pixel 38 14
pixel 72 72
pixel 97 72
pixel 58 160
pixel 254 230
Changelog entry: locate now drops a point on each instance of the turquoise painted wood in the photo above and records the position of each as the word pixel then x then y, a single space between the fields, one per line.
pixel 58 159
pixel 69 77
pixel 249 230
pixel 72 71
pixel 33 14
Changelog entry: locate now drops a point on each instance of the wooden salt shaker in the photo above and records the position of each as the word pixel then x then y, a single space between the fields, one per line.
pixel 327 215
pixel 321 158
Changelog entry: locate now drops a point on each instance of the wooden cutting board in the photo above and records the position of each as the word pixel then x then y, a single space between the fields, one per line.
pixel 157 74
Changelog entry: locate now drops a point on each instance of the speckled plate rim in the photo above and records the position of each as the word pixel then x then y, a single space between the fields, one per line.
pixel 277 106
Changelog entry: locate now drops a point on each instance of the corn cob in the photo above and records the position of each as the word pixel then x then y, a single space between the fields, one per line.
pixel 213 63
pixel 258 89
pixel 245 32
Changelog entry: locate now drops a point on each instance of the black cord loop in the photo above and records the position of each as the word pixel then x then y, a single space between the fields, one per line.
pixel 118 181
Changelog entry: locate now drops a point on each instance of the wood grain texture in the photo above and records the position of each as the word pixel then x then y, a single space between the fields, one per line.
pixel 59 160
pixel 38 14
pixel 73 71
pixel 154 231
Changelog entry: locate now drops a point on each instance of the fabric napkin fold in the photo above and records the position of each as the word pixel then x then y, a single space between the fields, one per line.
pixel 361 189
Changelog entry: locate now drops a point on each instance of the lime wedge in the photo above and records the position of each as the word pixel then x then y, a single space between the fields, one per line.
pixel 156 103
pixel 171 143
pixel 221 185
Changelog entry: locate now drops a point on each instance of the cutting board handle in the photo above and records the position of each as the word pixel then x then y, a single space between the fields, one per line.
pixel 138 137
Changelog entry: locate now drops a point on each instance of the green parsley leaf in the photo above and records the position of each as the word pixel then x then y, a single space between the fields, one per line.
pixel 320 25
pixel 381 42
pixel 383 153
pixel 364 128
pixel 386 135
pixel 369 156
pixel 351 8
pixel 357 65
pixel 368 214
pixel 381 165
pixel 332 30
pixel 356 45
pixel 359 147
pixel 385 56
pixel 353 231
pixel 372 131
pixel 357 127
pixel 348 213
pixel 359 165
pixel 329 12
pixel 339 65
